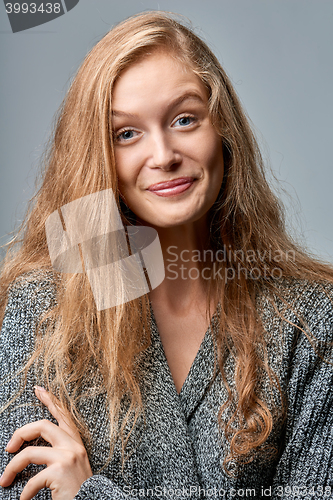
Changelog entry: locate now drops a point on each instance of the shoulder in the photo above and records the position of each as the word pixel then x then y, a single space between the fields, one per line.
pixel 34 290
pixel 30 296
pixel 297 317
pixel 300 302
pixel 32 283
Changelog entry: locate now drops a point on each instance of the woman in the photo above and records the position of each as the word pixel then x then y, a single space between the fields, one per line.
pixel 216 382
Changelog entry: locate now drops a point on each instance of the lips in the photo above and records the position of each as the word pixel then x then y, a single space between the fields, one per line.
pixel 171 184
pixel 171 188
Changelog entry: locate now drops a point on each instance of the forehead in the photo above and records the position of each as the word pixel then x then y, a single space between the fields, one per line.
pixel 156 79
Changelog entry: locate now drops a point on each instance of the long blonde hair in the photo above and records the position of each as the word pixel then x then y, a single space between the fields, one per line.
pixel 247 216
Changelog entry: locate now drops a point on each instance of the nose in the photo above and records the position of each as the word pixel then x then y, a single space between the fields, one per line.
pixel 163 154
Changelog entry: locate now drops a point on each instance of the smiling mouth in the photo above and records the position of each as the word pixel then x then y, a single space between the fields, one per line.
pixel 171 188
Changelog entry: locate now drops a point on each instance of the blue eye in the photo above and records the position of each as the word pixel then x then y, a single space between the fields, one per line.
pixel 127 134
pixel 124 136
pixel 184 121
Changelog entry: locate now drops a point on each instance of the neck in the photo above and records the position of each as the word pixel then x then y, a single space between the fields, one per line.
pixel 184 248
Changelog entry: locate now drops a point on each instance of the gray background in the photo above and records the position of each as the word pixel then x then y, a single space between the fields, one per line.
pixel 278 54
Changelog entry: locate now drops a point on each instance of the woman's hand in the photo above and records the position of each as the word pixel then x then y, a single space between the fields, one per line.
pixel 67 461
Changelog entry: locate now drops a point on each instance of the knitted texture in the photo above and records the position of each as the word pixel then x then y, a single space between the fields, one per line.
pixel 177 450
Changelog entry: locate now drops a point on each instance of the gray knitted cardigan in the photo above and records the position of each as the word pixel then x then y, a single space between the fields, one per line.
pixel 177 451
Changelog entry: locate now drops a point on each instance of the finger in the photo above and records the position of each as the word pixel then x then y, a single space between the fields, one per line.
pixel 34 485
pixel 62 416
pixel 31 455
pixel 42 428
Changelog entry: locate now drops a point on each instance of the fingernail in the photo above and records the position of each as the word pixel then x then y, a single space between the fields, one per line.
pixel 6 448
pixel 40 389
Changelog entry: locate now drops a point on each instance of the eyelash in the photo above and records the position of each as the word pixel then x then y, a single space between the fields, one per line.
pixel 192 118
pixel 117 135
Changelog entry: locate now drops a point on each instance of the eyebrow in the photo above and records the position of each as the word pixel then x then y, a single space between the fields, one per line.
pixel 176 102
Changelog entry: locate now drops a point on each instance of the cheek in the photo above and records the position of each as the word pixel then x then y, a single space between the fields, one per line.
pixel 206 149
pixel 125 169
pixel 212 156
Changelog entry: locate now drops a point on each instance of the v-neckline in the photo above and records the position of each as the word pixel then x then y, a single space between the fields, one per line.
pixel 202 369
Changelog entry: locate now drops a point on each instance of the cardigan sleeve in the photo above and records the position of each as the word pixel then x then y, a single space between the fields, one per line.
pixel 99 487
pixel 25 306
pixel 305 468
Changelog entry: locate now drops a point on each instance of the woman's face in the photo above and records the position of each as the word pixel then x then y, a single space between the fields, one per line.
pixel 168 155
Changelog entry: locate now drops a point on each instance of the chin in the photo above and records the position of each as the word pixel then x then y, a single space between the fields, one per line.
pixel 168 222
pixel 171 216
